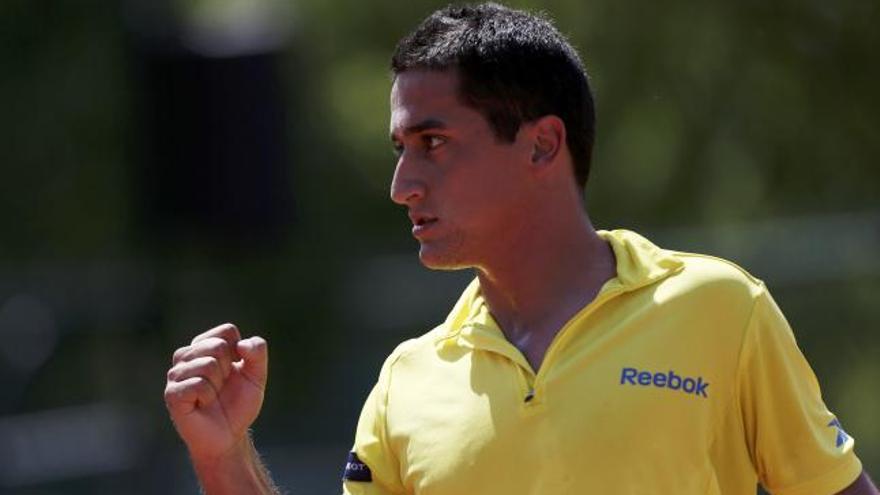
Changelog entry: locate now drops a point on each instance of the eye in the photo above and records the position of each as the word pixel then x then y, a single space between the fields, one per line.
pixel 397 148
pixel 432 142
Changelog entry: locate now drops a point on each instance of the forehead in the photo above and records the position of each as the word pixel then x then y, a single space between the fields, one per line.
pixel 423 95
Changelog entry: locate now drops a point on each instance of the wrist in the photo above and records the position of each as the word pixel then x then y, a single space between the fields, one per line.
pixel 235 471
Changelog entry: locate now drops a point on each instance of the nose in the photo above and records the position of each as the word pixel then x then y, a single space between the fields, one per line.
pixel 406 185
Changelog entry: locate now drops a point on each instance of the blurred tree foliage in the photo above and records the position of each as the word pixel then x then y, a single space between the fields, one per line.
pixel 770 108
pixel 708 113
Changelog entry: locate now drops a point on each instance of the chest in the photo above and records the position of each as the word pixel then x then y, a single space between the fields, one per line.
pixel 636 405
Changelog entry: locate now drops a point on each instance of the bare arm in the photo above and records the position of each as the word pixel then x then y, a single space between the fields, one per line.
pixel 861 486
pixel 241 472
pixel 214 393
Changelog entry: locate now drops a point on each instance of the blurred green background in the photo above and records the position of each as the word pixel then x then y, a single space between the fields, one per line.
pixel 168 166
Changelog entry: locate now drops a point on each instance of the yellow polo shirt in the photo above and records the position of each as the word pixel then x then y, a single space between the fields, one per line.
pixel 681 377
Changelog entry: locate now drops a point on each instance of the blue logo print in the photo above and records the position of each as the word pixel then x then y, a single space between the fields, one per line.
pixel 670 380
pixel 356 470
pixel 842 437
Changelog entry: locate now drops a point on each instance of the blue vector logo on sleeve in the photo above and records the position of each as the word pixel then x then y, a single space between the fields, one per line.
pixel 842 437
pixel 356 470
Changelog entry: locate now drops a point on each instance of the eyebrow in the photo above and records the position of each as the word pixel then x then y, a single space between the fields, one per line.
pixel 429 123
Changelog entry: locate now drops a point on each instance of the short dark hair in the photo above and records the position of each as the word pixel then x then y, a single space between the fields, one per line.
pixel 514 67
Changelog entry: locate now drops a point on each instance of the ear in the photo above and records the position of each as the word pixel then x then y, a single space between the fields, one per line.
pixel 548 137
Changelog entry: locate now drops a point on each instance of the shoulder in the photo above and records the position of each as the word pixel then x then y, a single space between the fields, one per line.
pixel 641 264
pixel 420 348
pixel 423 349
pixel 717 276
pixel 709 289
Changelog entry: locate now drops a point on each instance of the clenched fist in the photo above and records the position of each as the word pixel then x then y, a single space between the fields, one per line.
pixel 215 390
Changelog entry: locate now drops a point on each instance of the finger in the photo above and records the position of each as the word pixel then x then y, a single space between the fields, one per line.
pixel 214 347
pixel 186 396
pixel 226 331
pixel 178 354
pixel 206 367
pixel 254 352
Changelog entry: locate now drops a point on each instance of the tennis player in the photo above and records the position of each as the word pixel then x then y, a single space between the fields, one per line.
pixel 577 361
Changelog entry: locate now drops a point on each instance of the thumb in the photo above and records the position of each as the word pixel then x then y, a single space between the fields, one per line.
pixel 254 353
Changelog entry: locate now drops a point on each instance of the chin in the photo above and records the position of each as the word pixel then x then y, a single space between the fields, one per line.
pixel 442 259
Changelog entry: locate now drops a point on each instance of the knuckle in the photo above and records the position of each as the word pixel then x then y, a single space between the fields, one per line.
pixel 178 354
pixel 214 364
pixel 218 345
pixel 230 332
pixel 172 393
pixel 208 347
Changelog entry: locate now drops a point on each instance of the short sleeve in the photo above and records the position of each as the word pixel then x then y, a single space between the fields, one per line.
pixel 372 467
pixel 797 445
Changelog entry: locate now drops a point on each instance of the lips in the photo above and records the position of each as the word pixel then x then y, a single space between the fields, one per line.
pixel 422 224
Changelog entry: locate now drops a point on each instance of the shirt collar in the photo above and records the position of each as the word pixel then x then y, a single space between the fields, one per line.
pixel 639 263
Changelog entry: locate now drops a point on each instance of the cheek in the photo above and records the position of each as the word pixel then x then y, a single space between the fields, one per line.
pixel 482 181
pixel 489 208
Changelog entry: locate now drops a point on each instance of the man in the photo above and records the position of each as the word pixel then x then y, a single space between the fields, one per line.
pixel 577 361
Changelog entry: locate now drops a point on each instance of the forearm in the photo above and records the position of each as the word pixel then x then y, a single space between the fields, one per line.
pixel 861 486
pixel 240 472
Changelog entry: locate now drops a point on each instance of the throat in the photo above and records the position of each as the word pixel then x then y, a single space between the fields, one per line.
pixel 532 304
pixel 534 342
pixel 534 335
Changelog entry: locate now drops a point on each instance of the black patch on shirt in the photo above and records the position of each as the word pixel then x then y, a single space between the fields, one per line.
pixel 355 470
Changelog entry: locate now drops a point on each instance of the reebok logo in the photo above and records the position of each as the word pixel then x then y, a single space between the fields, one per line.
pixel 670 380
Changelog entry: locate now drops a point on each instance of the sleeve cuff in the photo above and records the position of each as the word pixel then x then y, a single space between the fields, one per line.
pixel 829 483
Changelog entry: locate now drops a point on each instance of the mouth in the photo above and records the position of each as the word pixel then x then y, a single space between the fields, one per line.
pixel 422 224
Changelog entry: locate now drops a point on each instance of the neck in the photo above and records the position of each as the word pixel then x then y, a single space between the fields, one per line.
pixel 552 274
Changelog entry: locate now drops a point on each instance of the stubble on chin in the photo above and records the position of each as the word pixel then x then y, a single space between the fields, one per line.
pixel 446 254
